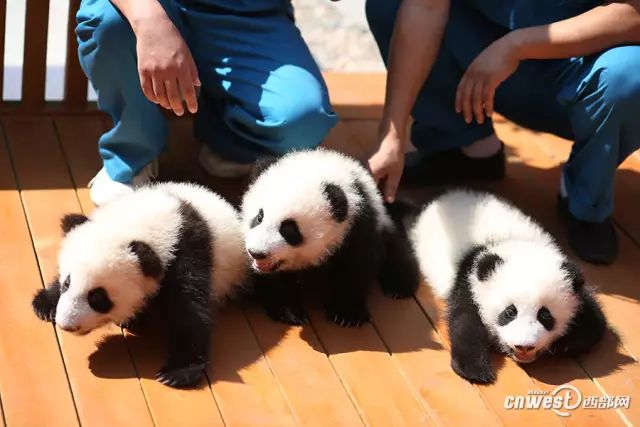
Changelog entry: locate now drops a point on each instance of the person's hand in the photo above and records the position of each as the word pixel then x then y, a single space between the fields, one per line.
pixel 478 85
pixel 387 163
pixel 167 70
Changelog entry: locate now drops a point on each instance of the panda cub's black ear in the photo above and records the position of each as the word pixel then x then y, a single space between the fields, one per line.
pixel 487 265
pixel 71 221
pixel 337 201
pixel 150 262
pixel 574 275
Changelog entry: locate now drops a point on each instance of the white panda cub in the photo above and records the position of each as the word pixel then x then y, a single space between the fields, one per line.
pixel 507 284
pixel 317 217
pixel 178 241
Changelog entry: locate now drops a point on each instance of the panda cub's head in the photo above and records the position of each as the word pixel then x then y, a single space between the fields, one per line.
pixel 298 211
pixel 527 295
pixel 102 278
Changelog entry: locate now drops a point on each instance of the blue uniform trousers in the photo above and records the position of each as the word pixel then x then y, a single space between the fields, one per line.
pixel 262 92
pixel 594 101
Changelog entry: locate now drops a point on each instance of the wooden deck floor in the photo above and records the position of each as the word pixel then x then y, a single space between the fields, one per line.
pixel 392 372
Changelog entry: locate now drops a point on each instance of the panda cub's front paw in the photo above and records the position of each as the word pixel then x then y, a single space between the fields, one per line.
pixel 400 286
pixel 475 370
pixel 349 318
pixel 134 323
pixel 44 306
pixel 181 376
pixel 289 314
pixel 397 293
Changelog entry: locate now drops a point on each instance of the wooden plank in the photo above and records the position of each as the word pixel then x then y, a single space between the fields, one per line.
pixel 512 380
pixel 35 52
pixel 168 406
pixel 309 382
pixel 75 82
pixel 356 95
pixel 549 376
pixel 424 360
pixel 242 381
pixel 33 383
pixel 99 366
pixel 371 376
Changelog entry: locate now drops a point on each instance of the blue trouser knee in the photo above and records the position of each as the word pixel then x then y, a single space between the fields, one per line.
pixel 603 101
pixel 107 52
pixel 591 100
pixel 257 97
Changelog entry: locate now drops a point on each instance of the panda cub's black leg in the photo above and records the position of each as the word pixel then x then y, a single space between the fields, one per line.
pixel 346 298
pixel 470 341
pixel 45 301
pixel 187 287
pixel 280 298
pixel 399 273
pixel 189 320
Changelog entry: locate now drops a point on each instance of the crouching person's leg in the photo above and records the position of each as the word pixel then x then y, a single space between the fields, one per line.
pixel 604 115
pixel 107 53
pixel 261 95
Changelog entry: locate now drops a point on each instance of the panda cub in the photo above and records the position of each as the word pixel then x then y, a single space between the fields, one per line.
pixel 315 218
pixel 178 241
pixel 507 283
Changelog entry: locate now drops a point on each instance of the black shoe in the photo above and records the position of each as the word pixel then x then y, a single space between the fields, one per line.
pixel 594 242
pixel 444 166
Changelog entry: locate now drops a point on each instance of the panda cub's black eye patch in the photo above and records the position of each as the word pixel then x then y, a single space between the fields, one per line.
pixel 546 318
pixel 99 300
pixel 65 285
pixel 290 232
pixel 257 219
pixel 507 315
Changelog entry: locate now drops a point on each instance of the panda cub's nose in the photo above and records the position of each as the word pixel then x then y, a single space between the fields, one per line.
pixel 257 254
pixel 524 347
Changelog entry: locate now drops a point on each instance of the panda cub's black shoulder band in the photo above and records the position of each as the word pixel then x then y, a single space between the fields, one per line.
pixel 487 265
pixel 150 262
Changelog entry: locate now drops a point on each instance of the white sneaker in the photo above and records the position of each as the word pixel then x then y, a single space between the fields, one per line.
pixel 103 189
pixel 222 168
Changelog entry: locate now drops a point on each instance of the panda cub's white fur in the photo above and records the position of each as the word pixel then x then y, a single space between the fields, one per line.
pixel 178 239
pixel 507 284
pixel 460 219
pixel 95 252
pixel 293 188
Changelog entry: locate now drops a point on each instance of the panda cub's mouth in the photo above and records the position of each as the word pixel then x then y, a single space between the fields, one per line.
pixel 266 265
pixel 523 357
